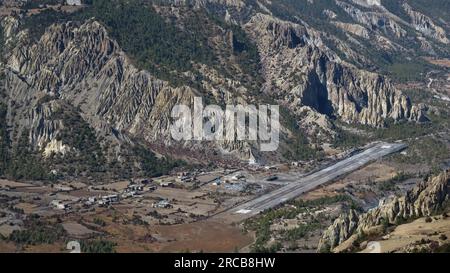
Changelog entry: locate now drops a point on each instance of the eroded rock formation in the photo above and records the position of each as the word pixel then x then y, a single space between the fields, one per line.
pixel 427 198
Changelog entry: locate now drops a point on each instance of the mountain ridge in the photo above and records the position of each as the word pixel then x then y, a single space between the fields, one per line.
pixel 81 64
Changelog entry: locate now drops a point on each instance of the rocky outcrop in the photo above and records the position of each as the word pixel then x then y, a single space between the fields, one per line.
pixel 425 199
pixel 330 14
pixel 425 25
pixel 342 228
pixel 10 26
pixel 81 64
pixel 354 29
pixel 317 124
pixel 374 20
pixel 55 147
pixel 368 3
pixel 314 76
pixel 40 121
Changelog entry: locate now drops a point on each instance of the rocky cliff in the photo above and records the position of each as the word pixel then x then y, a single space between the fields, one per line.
pixel 425 25
pixel 83 65
pixel 427 198
pixel 312 75
pixel 80 64
pixel 77 64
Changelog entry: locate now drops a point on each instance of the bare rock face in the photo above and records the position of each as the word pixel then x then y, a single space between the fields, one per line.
pixel 355 29
pixel 301 71
pixel 374 20
pixel 81 64
pixel 343 227
pixel 55 147
pixel 425 25
pixel 43 127
pixel 368 3
pixel 317 124
pixel 10 26
pixel 425 199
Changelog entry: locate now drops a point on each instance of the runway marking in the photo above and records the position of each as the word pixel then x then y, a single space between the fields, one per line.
pixel 244 211
pixel 309 182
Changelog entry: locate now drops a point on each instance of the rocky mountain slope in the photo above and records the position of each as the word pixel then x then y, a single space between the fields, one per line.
pixel 122 77
pixel 314 76
pixel 426 199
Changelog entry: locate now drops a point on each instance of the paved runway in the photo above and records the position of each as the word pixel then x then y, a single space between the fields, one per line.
pixel 307 183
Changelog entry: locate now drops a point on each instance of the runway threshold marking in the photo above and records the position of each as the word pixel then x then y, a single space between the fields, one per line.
pixel 243 211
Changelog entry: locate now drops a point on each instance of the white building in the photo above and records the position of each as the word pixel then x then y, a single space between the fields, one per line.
pixel 163 204
pixel 135 187
pixel 73 2
pixel 58 204
pixel 166 184
pixel 108 199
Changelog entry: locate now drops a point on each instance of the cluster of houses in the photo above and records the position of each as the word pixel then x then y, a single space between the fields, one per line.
pixel 108 200
pixel 132 190
pixel 185 177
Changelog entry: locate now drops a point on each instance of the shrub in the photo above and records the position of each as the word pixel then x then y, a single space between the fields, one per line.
pixel 38 232
pixel 97 246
